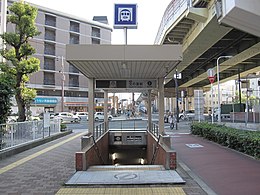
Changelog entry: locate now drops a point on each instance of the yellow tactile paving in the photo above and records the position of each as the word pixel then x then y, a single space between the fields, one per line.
pixel 123 191
pixel 23 160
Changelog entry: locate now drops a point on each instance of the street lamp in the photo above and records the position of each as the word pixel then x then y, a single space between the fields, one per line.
pixel 219 111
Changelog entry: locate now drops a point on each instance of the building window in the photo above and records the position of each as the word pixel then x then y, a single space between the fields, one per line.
pixel 95 32
pixel 49 63
pixel 74 38
pixel 50 20
pixel 49 78
pixel 49 49
pixel 48 92
pixel 76 94
pixel 73 80
pixel 74 26
pixel 50 34
pixel 73 69
pixel 95 41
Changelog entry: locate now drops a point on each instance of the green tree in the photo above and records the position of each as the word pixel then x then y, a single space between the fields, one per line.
pixel 6 94
pixel 18 53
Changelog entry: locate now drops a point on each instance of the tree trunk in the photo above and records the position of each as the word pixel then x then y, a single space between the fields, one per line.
pixel 21 108
pixel 19 99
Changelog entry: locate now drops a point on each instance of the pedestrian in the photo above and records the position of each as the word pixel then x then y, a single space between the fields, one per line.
pixel 171 120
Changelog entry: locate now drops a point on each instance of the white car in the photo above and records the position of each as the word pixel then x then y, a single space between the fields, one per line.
pixel 82 115
pixel 187 115
pixel 67 117
pixel 99 116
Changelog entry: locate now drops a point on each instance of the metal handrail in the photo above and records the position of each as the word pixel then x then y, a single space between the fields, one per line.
pixel 18 133
pixel 99 130
pixel 155 129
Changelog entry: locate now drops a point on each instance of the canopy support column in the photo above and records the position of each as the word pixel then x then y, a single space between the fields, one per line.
pixel 161 105
pixel 91 96
pixel 149 111
pixel 106 109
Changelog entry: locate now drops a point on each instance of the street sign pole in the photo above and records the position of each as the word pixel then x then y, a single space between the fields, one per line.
pixel 211 77
pixel 212 108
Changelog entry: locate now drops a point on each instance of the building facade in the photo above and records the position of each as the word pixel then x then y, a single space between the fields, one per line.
pixel 60 86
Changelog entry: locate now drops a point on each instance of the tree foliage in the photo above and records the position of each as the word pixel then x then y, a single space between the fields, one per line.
pixel 252 99
pixel 18 53
pixel 6 94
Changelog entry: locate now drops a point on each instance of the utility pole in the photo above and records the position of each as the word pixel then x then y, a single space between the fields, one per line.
pixel 62 85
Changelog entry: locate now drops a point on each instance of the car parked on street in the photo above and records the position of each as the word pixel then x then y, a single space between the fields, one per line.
pixel 67 117
pixel 82 115
pixel 99 116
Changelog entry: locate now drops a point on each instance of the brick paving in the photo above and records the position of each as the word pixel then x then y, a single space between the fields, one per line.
pixel 47 173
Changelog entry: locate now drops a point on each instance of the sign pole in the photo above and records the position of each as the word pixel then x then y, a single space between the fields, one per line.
pixel 211 76
pixel 125 32
pixel 212 109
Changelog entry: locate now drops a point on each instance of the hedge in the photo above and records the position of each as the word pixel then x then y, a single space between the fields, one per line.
pixel 244 141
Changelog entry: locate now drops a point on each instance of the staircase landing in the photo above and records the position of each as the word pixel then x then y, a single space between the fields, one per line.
pixel 125 175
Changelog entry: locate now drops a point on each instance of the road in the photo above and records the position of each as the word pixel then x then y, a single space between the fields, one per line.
pixel 117 123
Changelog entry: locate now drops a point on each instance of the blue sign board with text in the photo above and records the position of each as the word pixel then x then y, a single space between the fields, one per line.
pixel 125 16
pixel 45 100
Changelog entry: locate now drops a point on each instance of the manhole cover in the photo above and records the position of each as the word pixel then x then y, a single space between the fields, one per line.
pixel 125 176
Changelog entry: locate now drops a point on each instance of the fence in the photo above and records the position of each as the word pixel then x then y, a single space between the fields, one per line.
pixel 14 134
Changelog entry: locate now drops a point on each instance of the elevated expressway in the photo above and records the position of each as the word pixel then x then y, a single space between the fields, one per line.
pixel 208 29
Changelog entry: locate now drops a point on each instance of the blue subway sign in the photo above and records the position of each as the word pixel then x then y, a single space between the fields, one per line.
pixel 125 16
pixel 45 100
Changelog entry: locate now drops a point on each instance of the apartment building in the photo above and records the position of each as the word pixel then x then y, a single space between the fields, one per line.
pixel 60 86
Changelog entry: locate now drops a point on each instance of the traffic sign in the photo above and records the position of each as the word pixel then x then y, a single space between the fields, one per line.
pixel 125 16
pixel 211 72
pixel 211 79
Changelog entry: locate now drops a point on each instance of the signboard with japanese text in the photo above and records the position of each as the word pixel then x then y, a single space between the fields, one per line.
pixel 146 84
pixel 125 16
pixel 141 84
pixel 45 101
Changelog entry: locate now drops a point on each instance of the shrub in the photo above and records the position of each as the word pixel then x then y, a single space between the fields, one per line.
pixel 63 127
pixel 244 141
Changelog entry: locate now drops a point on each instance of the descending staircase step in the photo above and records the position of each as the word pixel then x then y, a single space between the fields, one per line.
pixel 126 167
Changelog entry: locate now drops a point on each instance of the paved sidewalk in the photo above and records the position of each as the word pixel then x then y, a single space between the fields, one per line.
pixel 41 170
pixel 218 168
pixel 45 169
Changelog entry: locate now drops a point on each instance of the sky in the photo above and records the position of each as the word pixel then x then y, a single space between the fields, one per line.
pixel 149 16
